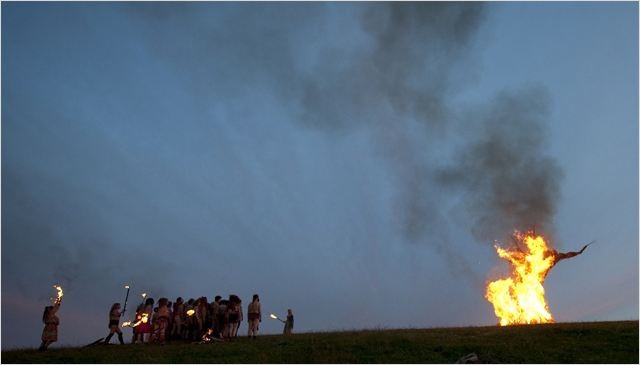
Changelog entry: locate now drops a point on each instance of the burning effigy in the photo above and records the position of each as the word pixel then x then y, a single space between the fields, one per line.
pixel 519 299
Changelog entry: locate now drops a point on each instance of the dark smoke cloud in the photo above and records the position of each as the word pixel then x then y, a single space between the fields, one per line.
pixel 394 76
pixel 399 85
pixel 505 175
pixel 404 72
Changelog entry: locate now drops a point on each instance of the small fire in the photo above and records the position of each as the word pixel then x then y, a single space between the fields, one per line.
pixel 520 298
pixel 126 323
pixel 142 319
pixel 208 336
pixel 273 316
pixel 60 294
pixel 190 312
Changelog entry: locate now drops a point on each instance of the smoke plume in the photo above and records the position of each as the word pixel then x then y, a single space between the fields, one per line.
pixel 507 180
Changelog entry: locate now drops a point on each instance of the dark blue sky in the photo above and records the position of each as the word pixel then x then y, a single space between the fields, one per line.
pixel 353 162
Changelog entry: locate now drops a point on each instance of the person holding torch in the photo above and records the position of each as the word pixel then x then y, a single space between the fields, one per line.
pixel 114 321
pixel 51 321
pixel 288 324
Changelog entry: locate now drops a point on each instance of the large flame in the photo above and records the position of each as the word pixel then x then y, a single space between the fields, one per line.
pixel 520 298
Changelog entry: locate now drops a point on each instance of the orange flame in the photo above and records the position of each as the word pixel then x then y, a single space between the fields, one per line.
pixel 144 318
pixel 58 299
pixel 520 298
pixel 191 312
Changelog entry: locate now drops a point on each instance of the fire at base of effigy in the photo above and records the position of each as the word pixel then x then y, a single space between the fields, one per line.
pixel 520 298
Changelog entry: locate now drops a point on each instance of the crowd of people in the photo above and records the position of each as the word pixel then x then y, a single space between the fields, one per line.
pixel 193 320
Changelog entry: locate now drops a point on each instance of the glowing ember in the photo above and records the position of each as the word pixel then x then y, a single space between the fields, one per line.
pixel 190 312
pixel 520 298
pixel 60 294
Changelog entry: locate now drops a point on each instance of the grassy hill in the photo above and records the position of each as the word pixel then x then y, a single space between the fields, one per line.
pixel 597 342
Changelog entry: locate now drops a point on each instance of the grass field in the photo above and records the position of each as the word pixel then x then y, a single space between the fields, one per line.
pixel 596 342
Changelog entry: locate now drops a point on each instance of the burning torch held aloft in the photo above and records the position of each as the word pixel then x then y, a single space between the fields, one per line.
pixel 51 321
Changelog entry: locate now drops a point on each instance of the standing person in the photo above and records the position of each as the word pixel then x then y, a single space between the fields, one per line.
pixel 170 323
pixel 137 333
pixel 51 322
pixel 114 321
pixel 235 314
pixel 240 319
pixel 288 324
pixel 161 321
pixel 145 329
pixel 178 315
pixel 201 316
pixel 215 309
pixel 189 320
pixel 223 318
pixel 254 315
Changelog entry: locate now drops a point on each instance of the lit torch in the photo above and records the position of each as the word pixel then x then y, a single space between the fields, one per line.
pixel 124 309
pixel 58 299
pixel 190 312
pixel 143 319
pixel 276 317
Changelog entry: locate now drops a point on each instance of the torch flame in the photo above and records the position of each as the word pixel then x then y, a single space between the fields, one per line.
pixel 60 294
pixel 126 323
pixel 142 319
pixel 273 316
pixel 520 298
pixel 190 312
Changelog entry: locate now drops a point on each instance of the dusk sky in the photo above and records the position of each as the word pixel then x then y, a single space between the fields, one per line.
pixel 354 162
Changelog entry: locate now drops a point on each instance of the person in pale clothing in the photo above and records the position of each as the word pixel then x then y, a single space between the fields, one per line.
pixel 201 315
pixel 255 316
pixel 161 321
pixel 288 324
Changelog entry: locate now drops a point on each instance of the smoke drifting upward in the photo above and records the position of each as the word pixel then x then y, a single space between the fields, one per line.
pixel 398 84
pixel 507 179
pixel 405 69
pixel 401 85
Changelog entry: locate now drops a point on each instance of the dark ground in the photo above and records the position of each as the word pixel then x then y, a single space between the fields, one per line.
pixel 595 342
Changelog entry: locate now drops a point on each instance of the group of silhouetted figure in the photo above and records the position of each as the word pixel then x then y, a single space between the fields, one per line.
pixel 195 320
